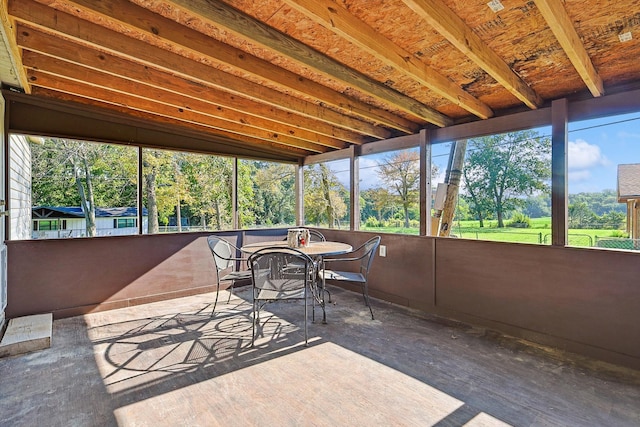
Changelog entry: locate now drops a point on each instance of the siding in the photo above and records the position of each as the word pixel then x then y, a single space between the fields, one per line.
pixel 19 188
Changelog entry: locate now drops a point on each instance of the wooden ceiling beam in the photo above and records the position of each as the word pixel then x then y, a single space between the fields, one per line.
pixel 8 29
pixel 235 123
pixel 337 19
pixel 103 39
pixel 152 25
pixel 127 97
pixel 274 150
pixel 562 26
pixel 226 17
pixel 190 93
pixel 447 23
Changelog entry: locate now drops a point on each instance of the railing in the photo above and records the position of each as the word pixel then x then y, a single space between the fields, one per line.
pixel 70 234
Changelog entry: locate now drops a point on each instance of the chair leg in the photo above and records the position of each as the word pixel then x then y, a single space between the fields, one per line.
pixel 328 293
pixel 254 320
pixel 215 303
pixel 231 291
pixel 365 294
pixel 306 315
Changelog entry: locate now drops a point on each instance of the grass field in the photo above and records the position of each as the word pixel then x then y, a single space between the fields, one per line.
pixel 539 232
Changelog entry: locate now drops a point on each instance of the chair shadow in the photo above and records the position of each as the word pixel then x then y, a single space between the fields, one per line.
pixel 157 354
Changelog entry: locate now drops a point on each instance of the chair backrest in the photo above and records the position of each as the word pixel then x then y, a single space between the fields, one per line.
pixel 268 267
pixel 223 252
pixel 316 236
pixel 369 247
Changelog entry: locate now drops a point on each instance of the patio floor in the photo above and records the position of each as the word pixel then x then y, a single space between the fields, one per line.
pixel 172 363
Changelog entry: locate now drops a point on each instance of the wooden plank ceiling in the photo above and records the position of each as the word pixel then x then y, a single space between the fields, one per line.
pixel 300 77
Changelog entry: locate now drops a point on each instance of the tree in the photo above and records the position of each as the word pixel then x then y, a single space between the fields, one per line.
pixel 500 170
pixel 85 174
pixel 376 201
pixel 400 173
pixel 324 197
pixel 208 181
pixel 274 193
pixel 157 174
pixel 580 216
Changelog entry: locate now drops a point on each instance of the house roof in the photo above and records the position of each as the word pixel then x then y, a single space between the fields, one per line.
pixel 301 77
pixel 77 212
pixel 628 182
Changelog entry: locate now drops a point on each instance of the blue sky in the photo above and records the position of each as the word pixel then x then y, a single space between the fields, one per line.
pixel 596 147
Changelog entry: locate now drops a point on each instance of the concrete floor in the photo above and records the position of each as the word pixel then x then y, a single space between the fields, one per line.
pixel 172 363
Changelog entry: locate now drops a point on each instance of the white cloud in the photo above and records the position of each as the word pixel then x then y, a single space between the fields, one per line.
pixel 583 155
pixel 579 175
pixel 626 134
pixel 368 173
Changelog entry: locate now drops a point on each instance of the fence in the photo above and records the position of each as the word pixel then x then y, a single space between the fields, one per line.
pixel 618 243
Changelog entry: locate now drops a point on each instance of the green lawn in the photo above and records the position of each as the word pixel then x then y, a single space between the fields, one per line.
pixel 539 232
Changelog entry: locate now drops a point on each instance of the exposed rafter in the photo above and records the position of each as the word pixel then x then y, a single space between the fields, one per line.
pixel 447 23
pixel 96 37
pixel 153 25
pixel 213 102
pixel 562 26
pixel 225 16
pixel 337 19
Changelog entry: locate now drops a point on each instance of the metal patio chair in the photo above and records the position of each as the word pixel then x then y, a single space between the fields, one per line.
pixel 274 281
pixel 364 256
pixel 227 262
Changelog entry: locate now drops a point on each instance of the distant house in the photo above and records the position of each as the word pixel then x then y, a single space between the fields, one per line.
pixel 629 193
pixel 51 222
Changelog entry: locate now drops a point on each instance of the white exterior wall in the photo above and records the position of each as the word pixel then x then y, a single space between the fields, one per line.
pixel 3 247
pixel 76 227
pixel 19 187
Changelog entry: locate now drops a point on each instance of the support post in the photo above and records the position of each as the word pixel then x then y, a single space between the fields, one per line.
pixel 425 183
pixel 299 190
pixel 559 162
pixel 141 187
pixel 234 195
pixel 354 177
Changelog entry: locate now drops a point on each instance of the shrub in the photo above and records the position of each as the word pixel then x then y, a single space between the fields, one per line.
pixel 372 222
pixel 520 220
pixel 619 233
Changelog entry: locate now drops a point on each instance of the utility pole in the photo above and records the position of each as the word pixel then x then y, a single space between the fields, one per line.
pixel 456 163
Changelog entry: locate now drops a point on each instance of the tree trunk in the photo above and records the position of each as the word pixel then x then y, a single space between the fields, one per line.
pixel 327 195
pixel 405 207
pixel 86 199
pixel 179 216
pixel 218 214
pixel 153 227
pixel 499 215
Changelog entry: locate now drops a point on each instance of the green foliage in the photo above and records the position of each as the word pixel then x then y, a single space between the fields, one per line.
pixel 620 233
pixel 520 220
pixel 400 174
pixel 273 186
pixel 500 170
pixel 325 198
pixel 372 222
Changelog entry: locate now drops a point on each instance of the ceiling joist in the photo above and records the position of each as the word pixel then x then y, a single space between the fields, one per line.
pixel 447 23
pixel 337 19
pixel 152 25
pixel 224 16
pixel 214 102
pixel 562 26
